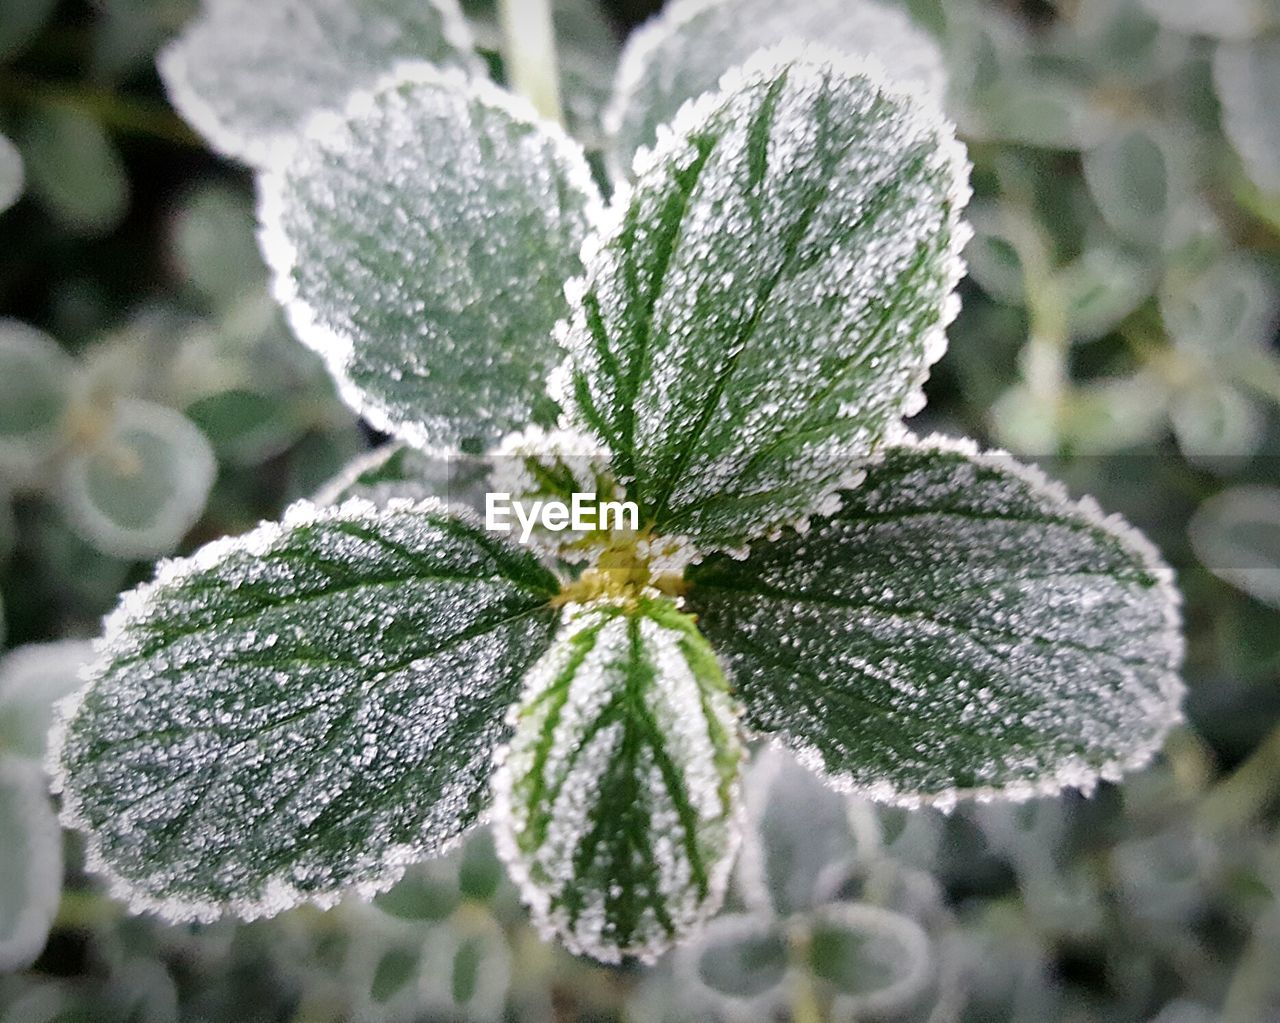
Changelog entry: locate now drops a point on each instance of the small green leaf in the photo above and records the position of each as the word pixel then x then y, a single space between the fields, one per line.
pixel 32 679
pixel 878 961
pixel 302 710
pixel 615 804
pixel 421 242
pixel 73 168
pixel 683 53
pixel 1138 179
pixel 143 484
pixel 394 971
pixel 247 74
pixel 20 23
pixel 11 174
pixel 30 862
pixel 1246 76
pixel 1223 19
pixel 766 304
pixel 1236 534
pixel 741 957
pixel 37 383
pixel 959 628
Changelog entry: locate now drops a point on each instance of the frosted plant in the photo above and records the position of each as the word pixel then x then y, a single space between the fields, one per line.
pixel 11 175
pixel 308 709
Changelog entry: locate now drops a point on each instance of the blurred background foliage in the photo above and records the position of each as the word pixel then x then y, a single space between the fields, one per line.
pixel 1119 323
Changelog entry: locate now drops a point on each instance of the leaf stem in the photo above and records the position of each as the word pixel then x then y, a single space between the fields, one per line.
pixel 529 50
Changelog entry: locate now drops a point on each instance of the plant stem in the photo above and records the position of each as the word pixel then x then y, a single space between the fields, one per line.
pixel 530 54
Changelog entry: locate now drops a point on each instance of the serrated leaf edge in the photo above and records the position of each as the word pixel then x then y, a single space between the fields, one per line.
pixel 1073 773
pixel 281 256
pixel 919 107
pixel 262 151
pixel 278 895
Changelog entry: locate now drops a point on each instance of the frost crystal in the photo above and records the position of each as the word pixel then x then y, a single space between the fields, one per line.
pixel 616 803
pixel 246 73
pixel 420 242
pixel 682 53
pixel 764 305
pixel 959 628
pixel 304 709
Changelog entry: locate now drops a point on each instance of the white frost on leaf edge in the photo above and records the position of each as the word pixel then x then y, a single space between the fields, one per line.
pixel 44 866
pixel 281 255
pixel 649 38
pixel 929 118
pixel 171 62
pixel 280 895
pixel 1074 773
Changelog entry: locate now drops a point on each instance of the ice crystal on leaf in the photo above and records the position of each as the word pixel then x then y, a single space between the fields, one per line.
pixel 764 304
pixel 958 628
pixel 305 709
pixel 615 802
pixel 420 240
pixel 683 52
pixel 311 707
pixel 247 73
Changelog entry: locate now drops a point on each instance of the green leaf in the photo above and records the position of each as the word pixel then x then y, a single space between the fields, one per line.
pixel 878 961
pixel 214 246
pixel 959 628
pixel 247 74
pixel 11 174
pixel 32 679
pixel 743 958
pixel 421 242
pixel 684 52
pixel 1246 76
pixel 1138 177
pixel 398 472
pixel 301 710
pixel 30 862
pixel 37 383
pixel 766 304
pixel 615 804
pixel 1224 19
pixel 73 168
pixel 142 485
pixel 20 23
pixel 1236 535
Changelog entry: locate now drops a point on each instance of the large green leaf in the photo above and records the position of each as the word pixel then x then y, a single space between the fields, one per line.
pixel 615 805
pixel 421 242
pixel 247 73
pixel 304 709
pixel 960 627
pixel 768 300
pixel 683 53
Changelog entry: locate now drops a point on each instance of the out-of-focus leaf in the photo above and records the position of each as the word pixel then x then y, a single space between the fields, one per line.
pixel 1233 304
pixel 38 381
pixel 73 168
pixel 32 679
pixel 30 862
pixel 215 248
pixel 1247 77
pixel 1216 423
pixel 1237 536
pixel 741 957
pixel 1222 19
pixel 20 22
pixel 1137 178
pixel 246 427
pixel 141 484
pixel 11 174
pixel 1100 289
pixel 877 960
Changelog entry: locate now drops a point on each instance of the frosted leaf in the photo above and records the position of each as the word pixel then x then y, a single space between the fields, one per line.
pixel 214 248
pixel 1247 78
pixel 11 176
pixel 879 962
pixel 421 240
pixel 399 472
pixel 301 710
pixel 1230 306
pixel 1223 19
pixel 37 383
pixel 142 485
pixel 796 829
pixel 615 803
pixel 32 679
pixel 247 73
pixel 742 958
pixel 30 862
pixel 1101 287
pixel 765 304
pixel 961 628
pixel 1237 537
pixel 1139 178
pixel 1217 424
pixel 683 52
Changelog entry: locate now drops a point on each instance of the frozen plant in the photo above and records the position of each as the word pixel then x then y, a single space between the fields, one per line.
pixel 306 710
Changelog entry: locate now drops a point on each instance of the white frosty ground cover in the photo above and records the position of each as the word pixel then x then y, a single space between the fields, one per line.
pixel 420 241
pixel 247 73
pixel 301 710
pixel 959 628
pixel 763 305
pixel 683 52
pixel 616 803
